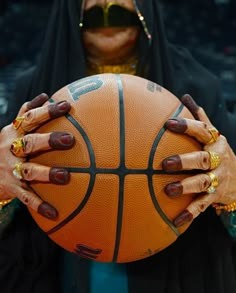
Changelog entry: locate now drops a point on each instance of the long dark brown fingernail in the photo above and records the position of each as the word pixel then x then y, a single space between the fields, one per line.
pixel 59 109
pixel 61 140
pixel 59 176
pixel 48 211
pixel 183 218
pixel 174 189
pixel 172 163
pixel 189 102
pixel 37 101
pixel 177 125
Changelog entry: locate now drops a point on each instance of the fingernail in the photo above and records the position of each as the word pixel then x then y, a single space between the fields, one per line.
pixel 61 140
pixel 183 218
pixel 189 102
pixel 59 176
pixel 63 106
pixel 174 189
pixel 67 139
pixel 48 211
pixel 176 125
pixel 172 163
pixel 58 109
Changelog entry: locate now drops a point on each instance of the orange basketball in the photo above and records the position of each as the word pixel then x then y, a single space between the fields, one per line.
pixel 115 209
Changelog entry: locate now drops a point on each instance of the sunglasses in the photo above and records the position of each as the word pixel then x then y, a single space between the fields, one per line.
pixel 109 15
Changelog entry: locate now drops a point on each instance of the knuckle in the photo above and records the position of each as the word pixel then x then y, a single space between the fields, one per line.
pixel 202 205
pixel 27 199
pixel 199 207
pixel 204 183
pixel 203 160
pixel 30 116
pixel 204 125
pixel 24 197
pixel 27 172
pixel 29 143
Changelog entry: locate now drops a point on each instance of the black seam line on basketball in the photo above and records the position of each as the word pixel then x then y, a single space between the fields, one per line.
pixel 76 211
pixel 125 172
pixel 122 166
pixel 91 181
pixel 150 179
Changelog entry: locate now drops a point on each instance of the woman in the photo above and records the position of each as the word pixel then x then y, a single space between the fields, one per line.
pixel 131 39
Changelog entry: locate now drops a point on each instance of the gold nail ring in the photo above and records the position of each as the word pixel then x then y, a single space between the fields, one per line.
pixel 17 122
pixel 17 171
pixel 214 159
pixel 214 135
pixel 214 182
pixel 18 147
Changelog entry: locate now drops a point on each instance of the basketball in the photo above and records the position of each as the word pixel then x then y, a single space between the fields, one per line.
pixel 114 209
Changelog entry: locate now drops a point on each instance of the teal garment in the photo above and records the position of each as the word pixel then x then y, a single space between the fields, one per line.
pixel 108 277
pixel 229 221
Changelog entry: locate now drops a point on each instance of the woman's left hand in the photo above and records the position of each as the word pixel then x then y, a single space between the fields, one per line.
pixel 223 173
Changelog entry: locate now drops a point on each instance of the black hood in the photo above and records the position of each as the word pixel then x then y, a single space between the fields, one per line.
pixel 62 60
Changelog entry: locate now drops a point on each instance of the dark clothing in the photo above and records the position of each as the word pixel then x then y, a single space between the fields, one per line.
pixel 201 260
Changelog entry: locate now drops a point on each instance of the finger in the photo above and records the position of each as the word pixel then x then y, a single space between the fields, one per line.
pixel 195 160
pixel 30 199
pixel 194 128
pixel 32 143
pixel 197 111
pixel 36 172
pixel 35 103
pixel 194 184
pixel 35 117
pixel 194 209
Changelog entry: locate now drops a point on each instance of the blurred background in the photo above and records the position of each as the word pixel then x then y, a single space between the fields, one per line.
pixel 206 27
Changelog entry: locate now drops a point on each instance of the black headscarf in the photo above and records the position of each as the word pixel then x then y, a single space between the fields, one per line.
pixel 62 61
pixel 201 260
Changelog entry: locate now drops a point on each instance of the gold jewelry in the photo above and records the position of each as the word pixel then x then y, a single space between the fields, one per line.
pixel 18 147
pixel 226 207
pixel 4 202
pixel 128 68
pixel 17 122
pixel 17 171
pixel 214 135
pixel 214 182
pixel 214 160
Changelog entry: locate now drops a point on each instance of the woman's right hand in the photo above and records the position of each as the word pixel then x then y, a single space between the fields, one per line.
pixel 15 171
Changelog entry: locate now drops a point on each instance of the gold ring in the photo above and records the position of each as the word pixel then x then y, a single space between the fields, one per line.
pixel 17 122
pixel 17 171
pixel 18 147
pixel 214 160
pixel 226 207
pixel 214 135
pixel 4 202
pixel 214 182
